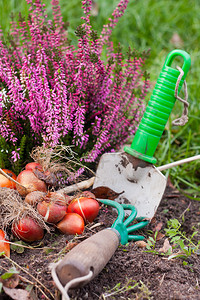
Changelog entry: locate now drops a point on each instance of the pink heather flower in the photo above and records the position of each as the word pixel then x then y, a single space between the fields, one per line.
pixel 15 155
pixel 52 92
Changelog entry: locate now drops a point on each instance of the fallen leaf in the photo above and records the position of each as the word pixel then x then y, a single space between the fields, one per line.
pixel 49 178
pixel 159 236
pixel 70 246
pixel 153 221
pixel 17 294
pixel 166 247
pixel 10 282
pixel 104 192
pixel 141 244
pixel 158 227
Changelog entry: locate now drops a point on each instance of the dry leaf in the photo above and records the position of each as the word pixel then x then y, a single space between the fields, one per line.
pixel 48 178
pixel 17 294
pixel 166 247
pixel 104 192
pixel 153 221
pixel 141 244
pixel 159 236
pixel 11 282
pixel 158 227
pixel 70 246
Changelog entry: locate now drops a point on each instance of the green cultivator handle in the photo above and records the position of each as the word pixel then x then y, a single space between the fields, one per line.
pixel 159 108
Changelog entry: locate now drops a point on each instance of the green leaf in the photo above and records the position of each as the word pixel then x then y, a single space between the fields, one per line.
pixel 9 274
pixel 181 244
pixel 148 247
pixel 174 223
pixel 151 239
pixel 194 233
pixel 175 239
pixel 19 249
pixel 171 232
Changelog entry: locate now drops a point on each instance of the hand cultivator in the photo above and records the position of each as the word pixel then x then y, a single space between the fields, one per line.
pixel 133 173
pixel 88 258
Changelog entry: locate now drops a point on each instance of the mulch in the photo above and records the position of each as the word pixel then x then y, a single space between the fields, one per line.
pixel 132 272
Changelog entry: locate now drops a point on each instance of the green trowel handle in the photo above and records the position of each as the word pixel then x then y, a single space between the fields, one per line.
pixel 159 108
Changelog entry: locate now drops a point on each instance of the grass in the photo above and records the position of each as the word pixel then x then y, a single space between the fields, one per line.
pixel 150 24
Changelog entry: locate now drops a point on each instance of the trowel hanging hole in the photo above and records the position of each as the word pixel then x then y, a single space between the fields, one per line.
pixel 173 54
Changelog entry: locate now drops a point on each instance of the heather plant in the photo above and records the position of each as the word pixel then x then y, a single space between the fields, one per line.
pixel 52 92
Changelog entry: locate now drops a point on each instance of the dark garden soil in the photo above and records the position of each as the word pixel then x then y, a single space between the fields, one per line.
pixel 150 275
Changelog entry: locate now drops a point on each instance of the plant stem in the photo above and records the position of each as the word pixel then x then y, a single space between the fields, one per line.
pixel 39 282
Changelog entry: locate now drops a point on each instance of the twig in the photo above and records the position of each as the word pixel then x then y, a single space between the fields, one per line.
pixel 95 225
pixel 27 247
pixel 22 278
pixel 185 210
pixel 25 271
pixel 78 186
pixel 162 279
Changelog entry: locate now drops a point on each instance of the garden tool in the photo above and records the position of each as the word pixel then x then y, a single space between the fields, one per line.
pixel 131 173
pixel 87 259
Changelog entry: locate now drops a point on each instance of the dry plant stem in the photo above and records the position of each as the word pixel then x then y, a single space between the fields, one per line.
pixel 13 208
pixel 15 244
pixel 52 159
pixel 27 247
pixel 185 210
pixel 11 179
pixel 78 186
pixel 39 282
pixel 95 226
pixel 30 282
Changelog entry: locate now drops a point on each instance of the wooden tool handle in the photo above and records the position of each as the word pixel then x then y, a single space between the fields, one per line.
pixel 90 255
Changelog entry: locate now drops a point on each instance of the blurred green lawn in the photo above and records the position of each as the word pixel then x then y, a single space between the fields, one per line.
pixel 150 24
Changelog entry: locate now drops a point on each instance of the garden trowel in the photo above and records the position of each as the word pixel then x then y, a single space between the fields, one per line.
pixel 131 173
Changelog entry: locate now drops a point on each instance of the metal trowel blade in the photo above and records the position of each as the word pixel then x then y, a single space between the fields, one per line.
pixel 140 183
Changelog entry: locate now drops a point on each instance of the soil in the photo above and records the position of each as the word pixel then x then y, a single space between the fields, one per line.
pixel 132 272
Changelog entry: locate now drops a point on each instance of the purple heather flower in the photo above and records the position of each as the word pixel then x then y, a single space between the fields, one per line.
pixel 54 92
pixel 15 155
